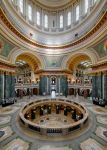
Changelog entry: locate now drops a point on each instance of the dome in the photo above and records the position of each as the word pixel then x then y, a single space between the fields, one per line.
pixel 53 73
pixel 53 3
pixel 55 27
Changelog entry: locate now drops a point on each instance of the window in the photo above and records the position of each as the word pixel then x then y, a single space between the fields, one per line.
pixel 95 1
pixel 46 21
pixel 30 12
pixel 61 21
pixel 86 6
pixel 21 5
pixel 77 12
pixel 38 18
pixel 69 18
pixel 53 23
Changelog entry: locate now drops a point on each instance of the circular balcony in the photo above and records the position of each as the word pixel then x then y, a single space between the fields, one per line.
pixel 53 117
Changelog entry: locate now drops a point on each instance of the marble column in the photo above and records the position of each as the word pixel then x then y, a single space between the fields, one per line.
pixel 59 86
pixel 12 86
pixel 1 86
pixel 7 84
pixel 47 85
pixel 105 87
pixel 97 85
pixel 94 92
pixel 43 85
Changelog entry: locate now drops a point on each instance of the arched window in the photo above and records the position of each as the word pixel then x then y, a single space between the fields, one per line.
pixel 95 1
pixel 38 18
pixel 77 12
pixel 69 19
pixel 61 21
pixel 86 6
pixel 30 12
pixel 46 21
pixel 21 5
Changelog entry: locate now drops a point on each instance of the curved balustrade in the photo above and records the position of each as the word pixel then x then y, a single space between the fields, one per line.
pixel 53 117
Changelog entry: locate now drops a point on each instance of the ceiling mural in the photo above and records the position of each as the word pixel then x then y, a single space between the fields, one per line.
pixel 101 48
pixel 5 46
pixel 53 61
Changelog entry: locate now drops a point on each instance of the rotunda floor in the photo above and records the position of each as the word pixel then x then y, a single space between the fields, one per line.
pixel 93 137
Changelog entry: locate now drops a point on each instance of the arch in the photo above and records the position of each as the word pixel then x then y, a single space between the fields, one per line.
pixel 30 59
pixel 33 60
pixel 76 60
pixel 78 56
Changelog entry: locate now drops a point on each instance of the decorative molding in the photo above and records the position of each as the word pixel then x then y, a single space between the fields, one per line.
pixel 5 20
pixel 53 72
pixel 7 67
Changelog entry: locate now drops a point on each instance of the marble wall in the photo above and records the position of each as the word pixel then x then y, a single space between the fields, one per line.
pixel 61 85
pixel 105 87
pixel 7 85
pixel 99 85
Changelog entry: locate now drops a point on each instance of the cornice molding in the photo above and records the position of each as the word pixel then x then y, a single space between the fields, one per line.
pixel 53 72
pixel 7 67
pixel 56 8
pixel 100 23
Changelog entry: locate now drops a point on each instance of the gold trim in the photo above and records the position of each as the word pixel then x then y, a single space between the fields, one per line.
pixel 7 67
pixel 5 20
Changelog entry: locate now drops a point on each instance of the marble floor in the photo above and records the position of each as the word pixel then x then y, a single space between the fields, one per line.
pixel 93 138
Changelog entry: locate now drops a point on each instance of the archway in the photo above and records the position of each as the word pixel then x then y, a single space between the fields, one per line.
pixel 80 65
pixel 26 66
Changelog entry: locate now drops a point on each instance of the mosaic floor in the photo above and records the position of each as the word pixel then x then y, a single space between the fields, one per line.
pixel 94 138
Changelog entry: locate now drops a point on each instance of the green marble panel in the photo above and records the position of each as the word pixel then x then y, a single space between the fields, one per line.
pixel 105 87
pixel 97 87
pixel 1 88
pixel 12 86
pixel 7 86
pixel 94 86
pixel 64 85
pixel 43 85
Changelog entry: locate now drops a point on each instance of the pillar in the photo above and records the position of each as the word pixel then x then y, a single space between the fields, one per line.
pixel 99 85
pixel 1 86
pixel 105 86
pixel 43 85
pixel 9 85
pixel 12 86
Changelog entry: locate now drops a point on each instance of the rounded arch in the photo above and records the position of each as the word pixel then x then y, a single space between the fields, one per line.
pixel 75 57
pixel 76 60
pixel 34 60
